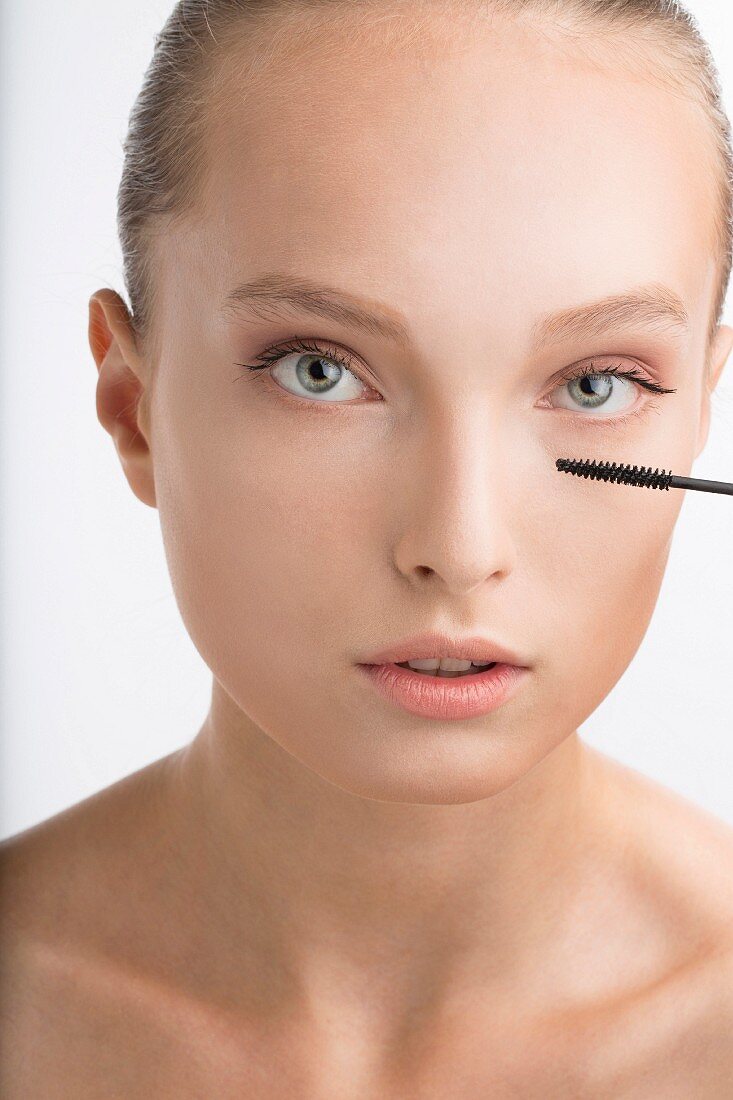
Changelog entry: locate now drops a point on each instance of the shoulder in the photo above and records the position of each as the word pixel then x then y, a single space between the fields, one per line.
pixel 675 1031
pixel 59 877
pixel 56 873
pixel 675 1039
pixel 679 855
pixel 75 903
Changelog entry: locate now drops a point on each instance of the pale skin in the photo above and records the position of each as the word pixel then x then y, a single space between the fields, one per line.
pixel 322 895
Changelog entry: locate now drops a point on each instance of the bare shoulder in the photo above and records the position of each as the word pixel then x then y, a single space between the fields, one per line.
pixel 55 872
pixel 680 854
pixel 677 1030
pixel 74 895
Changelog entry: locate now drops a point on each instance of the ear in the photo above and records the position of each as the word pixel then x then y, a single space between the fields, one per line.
pixel 121 408
pixel 720 351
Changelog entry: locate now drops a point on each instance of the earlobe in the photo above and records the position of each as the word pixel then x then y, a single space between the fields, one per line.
pixel 120 390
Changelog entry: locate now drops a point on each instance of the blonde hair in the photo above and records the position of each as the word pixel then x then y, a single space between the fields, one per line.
pixel 165 149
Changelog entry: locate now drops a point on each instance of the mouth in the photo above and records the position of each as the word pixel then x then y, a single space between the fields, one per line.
pixel 440 673
pixel 452 651
pixel 424 692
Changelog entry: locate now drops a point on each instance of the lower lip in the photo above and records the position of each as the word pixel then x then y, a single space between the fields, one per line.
pixel 446 696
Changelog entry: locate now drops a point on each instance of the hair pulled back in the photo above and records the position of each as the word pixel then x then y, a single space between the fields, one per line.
pixel 165 150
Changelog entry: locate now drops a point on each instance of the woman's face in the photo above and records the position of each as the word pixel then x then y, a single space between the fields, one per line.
pixel 466 186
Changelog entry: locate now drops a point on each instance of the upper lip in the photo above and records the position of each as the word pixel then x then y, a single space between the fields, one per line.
pixel 435 644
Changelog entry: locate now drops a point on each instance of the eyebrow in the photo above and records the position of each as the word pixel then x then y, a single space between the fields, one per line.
pixel 275 290
pixel 650 306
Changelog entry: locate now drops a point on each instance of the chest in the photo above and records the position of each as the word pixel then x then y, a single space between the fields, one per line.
pixel 65 1050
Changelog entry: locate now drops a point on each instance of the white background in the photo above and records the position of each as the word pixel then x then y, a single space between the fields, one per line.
pixel 99 676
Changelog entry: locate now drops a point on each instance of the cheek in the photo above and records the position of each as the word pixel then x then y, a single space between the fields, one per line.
pixel 258 554
pixel 257 540
pixel 605 594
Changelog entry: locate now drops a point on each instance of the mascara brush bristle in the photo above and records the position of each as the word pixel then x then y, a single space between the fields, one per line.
pixel 610 471
pixel 640 475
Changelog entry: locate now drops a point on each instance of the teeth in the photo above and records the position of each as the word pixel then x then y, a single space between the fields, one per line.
pixel 446 664
pixel 452 664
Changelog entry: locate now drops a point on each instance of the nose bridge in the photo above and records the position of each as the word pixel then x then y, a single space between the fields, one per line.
pixel 456 524
pixel 462 447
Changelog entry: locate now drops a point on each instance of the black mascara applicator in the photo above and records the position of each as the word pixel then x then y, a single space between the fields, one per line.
pixel 639 475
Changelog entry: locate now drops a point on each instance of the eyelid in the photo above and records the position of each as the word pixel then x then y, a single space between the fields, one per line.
pixel 325 348
pixel 635 372
pixel 582 368
pixel 260 367
pixel 620 366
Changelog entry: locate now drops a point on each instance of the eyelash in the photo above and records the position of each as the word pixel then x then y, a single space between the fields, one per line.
pixel 273 355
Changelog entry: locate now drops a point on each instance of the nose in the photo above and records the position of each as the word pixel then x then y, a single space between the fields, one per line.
pixel 454 503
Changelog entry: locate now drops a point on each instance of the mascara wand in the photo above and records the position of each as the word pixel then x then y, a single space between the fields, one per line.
pixel 639 475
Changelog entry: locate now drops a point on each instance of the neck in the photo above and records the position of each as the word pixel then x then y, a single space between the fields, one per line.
pixel 339 892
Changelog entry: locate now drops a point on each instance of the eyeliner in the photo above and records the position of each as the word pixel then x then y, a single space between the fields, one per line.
pixel 642 476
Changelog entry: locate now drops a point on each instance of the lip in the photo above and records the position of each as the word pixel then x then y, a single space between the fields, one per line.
pixel 445 698
pixel 433 643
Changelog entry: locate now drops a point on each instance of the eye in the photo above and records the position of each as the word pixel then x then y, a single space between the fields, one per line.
pixel 605 392
pixel 310 371
pixel 318 374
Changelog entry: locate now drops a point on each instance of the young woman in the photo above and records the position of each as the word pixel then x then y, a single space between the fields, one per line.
pixel 387 261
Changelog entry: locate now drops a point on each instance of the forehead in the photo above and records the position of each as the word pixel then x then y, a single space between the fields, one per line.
pixel 456 172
